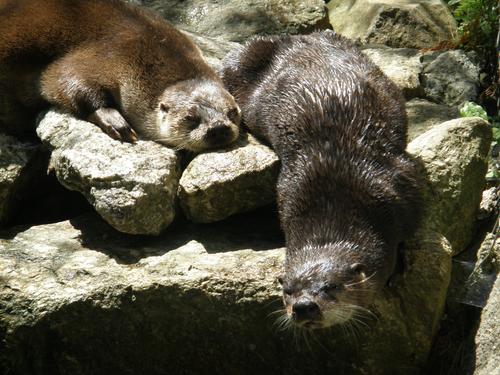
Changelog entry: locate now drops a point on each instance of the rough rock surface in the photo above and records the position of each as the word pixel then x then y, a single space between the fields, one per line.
pixel 487 337
pixel 79 298
pixel 18 168
pixel 132 186
pixel 396 23
pixel 238 20
pixel 423 115
pixel 455 158
pixel 450 77
pixel 401 65
pixel 489 202
pixel 216 185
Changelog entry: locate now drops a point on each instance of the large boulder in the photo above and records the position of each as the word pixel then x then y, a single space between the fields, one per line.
pixel 455 156
pixel 132 186
pixel 77 297
pixel 238 20
pixel 216 185
pixel 21 164
pixel 395 23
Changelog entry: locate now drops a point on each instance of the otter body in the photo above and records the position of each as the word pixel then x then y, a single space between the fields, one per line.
pixel 113 64
pixel 347 192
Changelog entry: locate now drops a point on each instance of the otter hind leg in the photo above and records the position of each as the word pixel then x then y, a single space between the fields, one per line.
pixel 73 85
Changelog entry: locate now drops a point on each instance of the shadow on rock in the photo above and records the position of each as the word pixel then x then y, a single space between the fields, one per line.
pixel 258 230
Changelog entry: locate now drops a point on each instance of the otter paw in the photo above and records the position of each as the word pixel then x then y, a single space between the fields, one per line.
pixel 113 124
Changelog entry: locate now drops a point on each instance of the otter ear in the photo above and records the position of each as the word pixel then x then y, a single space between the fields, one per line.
pixel 360 269
pixel 164 107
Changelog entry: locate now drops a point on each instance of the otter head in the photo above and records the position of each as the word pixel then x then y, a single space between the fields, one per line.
pixel 197 115
pixel 329 284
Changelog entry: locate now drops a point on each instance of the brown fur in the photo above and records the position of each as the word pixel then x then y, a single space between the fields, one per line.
pixel 84 56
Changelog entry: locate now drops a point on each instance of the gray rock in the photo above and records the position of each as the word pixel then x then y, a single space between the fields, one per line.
pixel 238 20
pixel 401 65
pixel 423 115
pixel 216 185
pixel 78 298
pixel 121 303
pixel 455 156
pixel 450 77
pixel 487 342
pixel 411 23
pixel 489 202
pixel 132 186
pixel 19 167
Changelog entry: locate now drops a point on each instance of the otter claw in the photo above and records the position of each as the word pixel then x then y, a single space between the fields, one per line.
pixel 113 124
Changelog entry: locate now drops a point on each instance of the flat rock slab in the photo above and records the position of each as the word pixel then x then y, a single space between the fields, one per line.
pixel 98 302
pixel 216 185
pixel 238 20
pixel 395 23
pixel 132 186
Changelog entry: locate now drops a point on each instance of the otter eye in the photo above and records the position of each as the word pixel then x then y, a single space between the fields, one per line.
pixel 233 115
pixel 192 121
pixel 330 288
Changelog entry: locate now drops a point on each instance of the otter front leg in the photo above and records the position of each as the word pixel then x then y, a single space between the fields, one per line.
pixel 113 124
pixel 71 84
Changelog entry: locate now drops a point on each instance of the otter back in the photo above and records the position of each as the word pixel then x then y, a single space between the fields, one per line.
pixel 348 193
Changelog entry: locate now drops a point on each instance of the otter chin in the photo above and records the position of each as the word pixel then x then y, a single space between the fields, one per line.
pixel 195 115
pixel 348 193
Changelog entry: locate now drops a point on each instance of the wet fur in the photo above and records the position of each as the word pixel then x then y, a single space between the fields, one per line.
pixel 348 193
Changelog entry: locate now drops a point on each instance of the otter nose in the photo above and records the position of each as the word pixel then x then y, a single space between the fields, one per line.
pixel 305 310
pixel 219 133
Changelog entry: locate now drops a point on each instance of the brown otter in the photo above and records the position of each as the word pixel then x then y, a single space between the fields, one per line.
pixel 112 64
pixel 348 193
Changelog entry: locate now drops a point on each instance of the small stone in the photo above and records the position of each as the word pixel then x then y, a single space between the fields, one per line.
pixel 216 185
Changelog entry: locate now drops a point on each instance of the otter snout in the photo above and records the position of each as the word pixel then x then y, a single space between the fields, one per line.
pixel 219 133
pixel 305 310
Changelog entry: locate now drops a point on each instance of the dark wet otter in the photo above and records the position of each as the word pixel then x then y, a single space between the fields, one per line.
pixel 347 192
pixel 112 64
